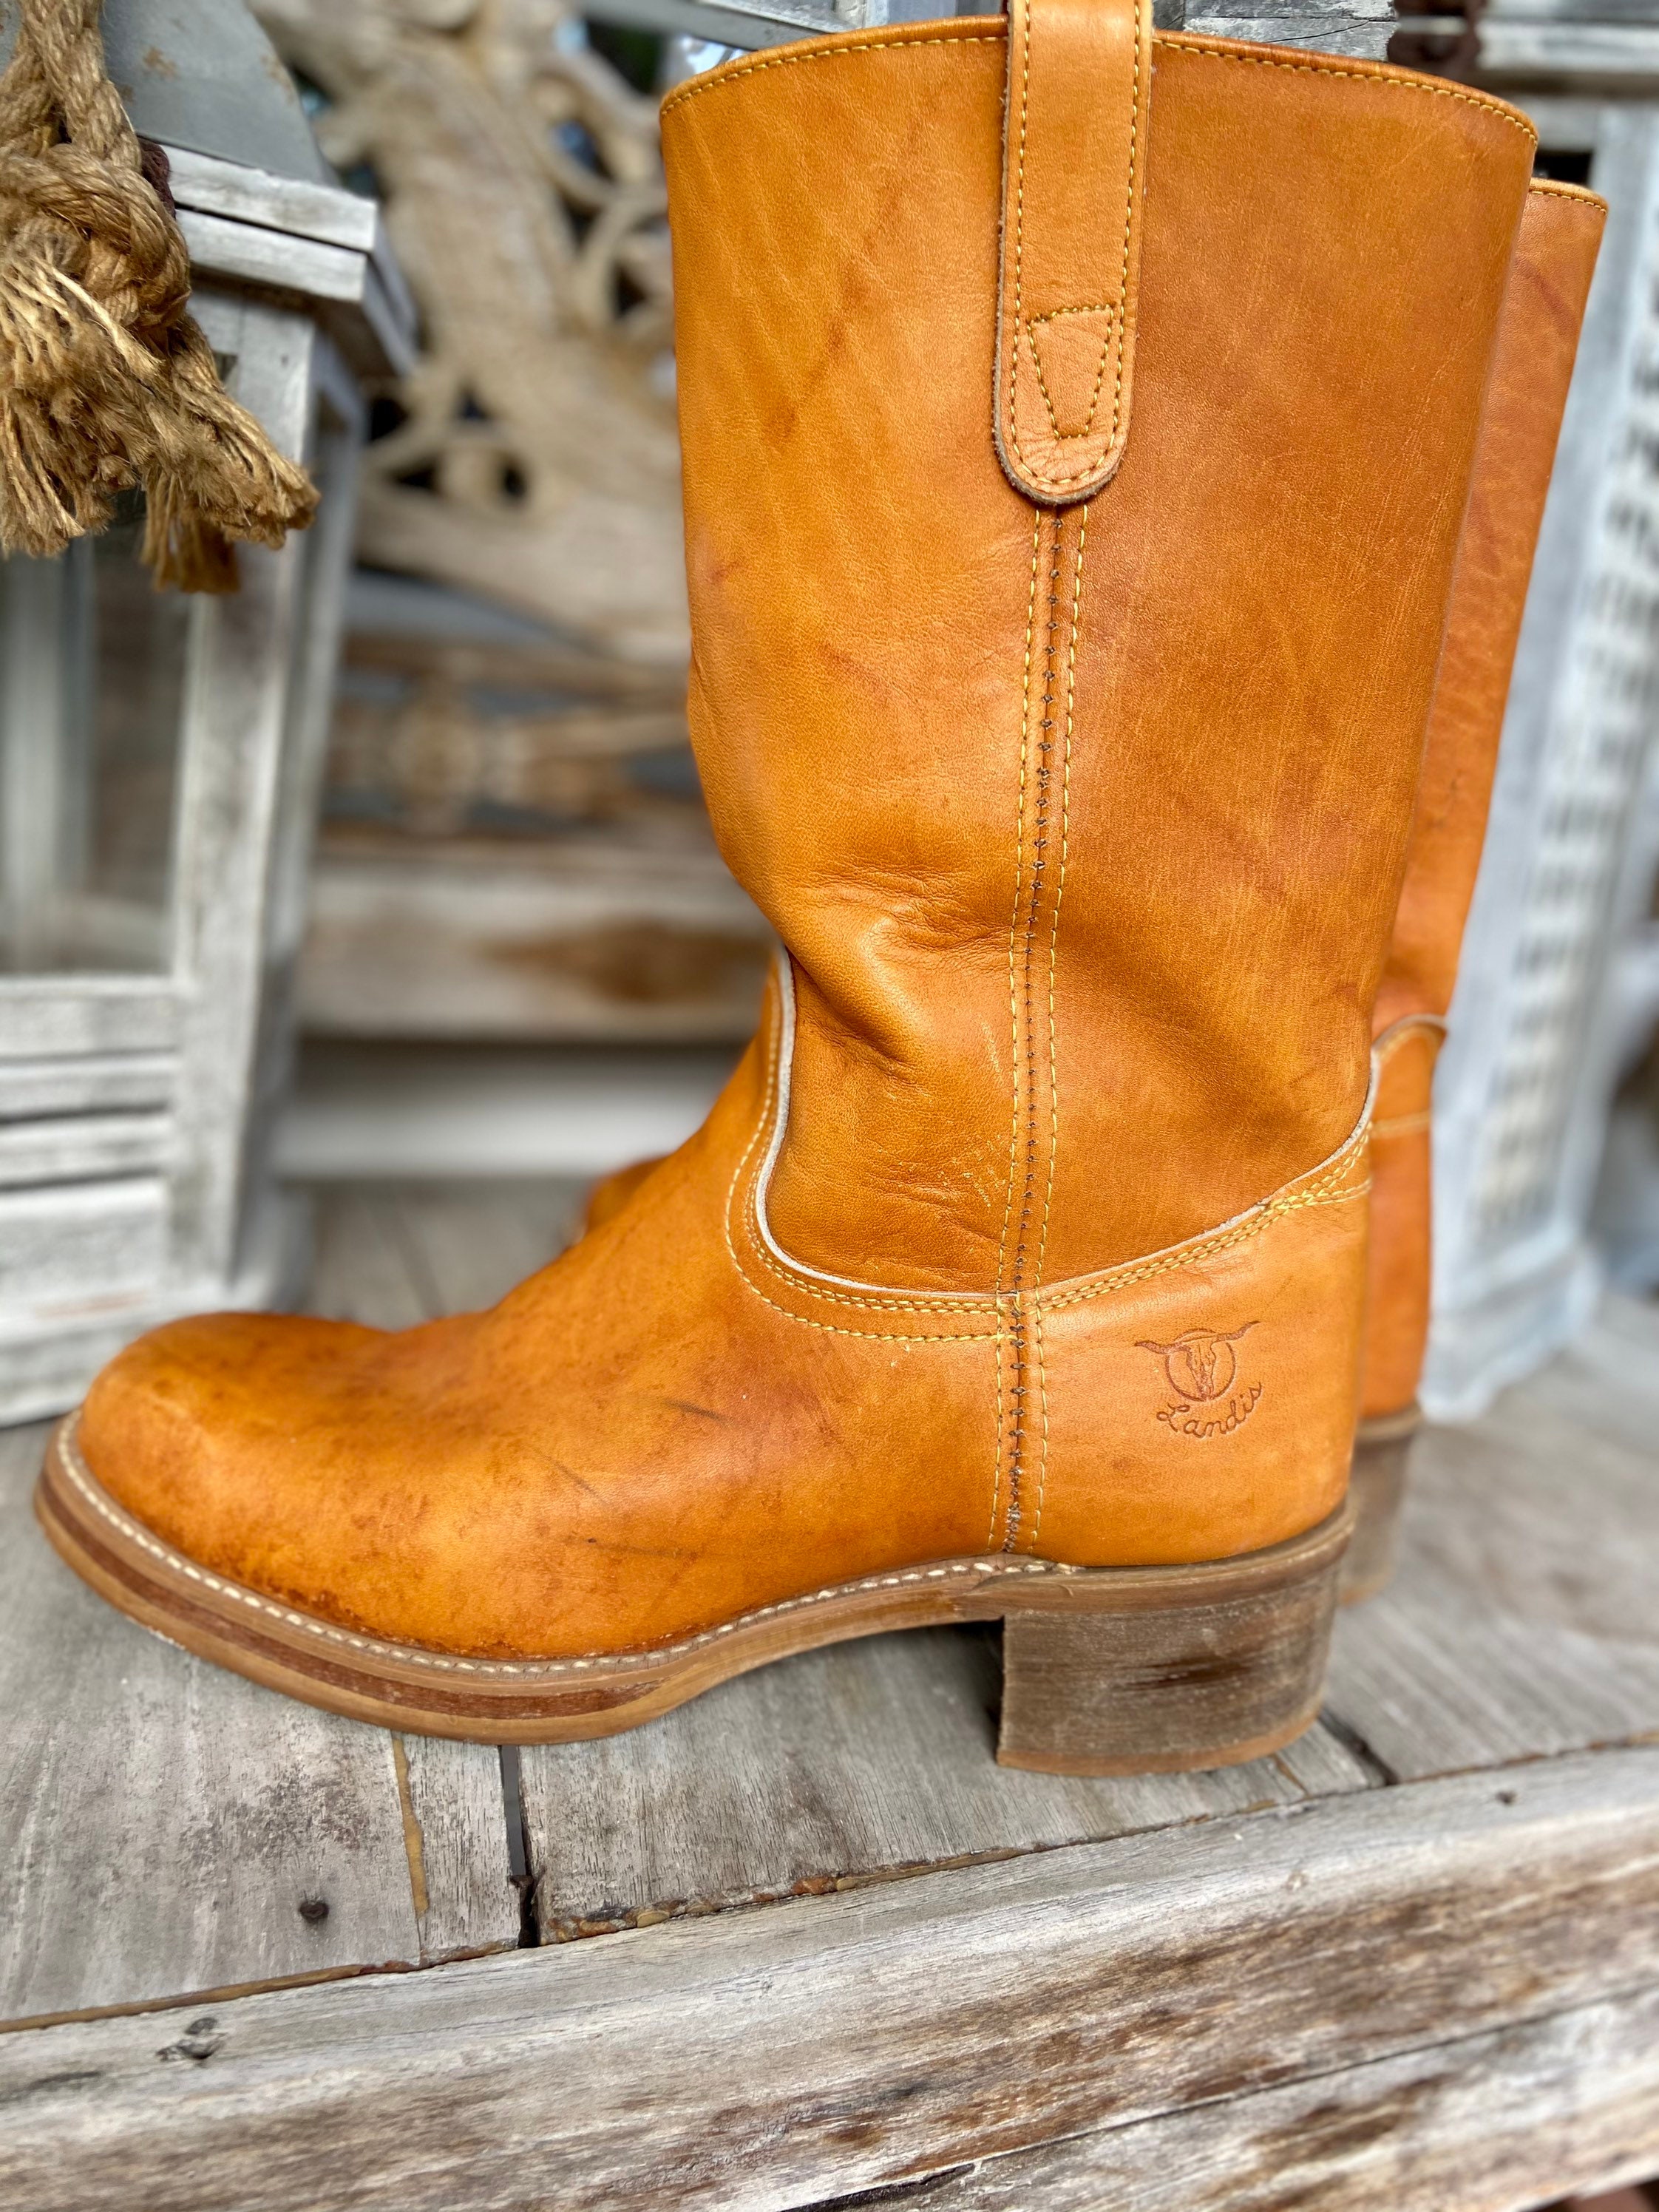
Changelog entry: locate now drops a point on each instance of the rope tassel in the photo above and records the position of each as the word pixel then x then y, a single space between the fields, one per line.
pixel 107 383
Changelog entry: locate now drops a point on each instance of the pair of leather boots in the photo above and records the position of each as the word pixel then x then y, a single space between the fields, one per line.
pixel 1106 454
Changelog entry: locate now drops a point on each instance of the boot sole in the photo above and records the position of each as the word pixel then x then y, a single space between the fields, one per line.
pixel 1106 1670
pixel 1382 1455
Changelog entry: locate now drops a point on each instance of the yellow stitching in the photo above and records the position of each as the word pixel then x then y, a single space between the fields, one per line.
pixel 1025 1116
pixel 1043 1404
pixel 1316 65
pixel 1147 1270
pixel 1053 955
pixel 718 78
pixel 1054 316
pixel 1048 396
pixel 892 1336
pixel 1128 225
pixel 970 1302
pixel 1316 1193
pixel 1019 221
pixel 1120 315
pixel 635 1658
pixel 1124 1279
pixel 874 1335
pixel 1321 65
pixel 1552 188
pixel 1013 1006
pixel 1060 889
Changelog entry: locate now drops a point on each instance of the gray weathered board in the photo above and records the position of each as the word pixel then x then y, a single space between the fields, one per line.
pixel 1414 1960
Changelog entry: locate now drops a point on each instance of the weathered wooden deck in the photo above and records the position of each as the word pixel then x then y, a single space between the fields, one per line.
pixel 257 1957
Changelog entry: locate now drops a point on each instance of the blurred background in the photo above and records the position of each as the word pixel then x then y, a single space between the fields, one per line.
pixel 456 916
pixel 524 954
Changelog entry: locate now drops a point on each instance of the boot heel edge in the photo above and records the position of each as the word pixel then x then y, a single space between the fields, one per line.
pixel 1171 1669
pixel 1381 1458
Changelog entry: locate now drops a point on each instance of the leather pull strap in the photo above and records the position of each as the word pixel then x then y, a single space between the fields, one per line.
pixel 1074 176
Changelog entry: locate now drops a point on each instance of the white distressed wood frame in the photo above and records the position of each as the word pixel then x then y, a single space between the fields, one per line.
pixel 135 1110
pixel 1539 1021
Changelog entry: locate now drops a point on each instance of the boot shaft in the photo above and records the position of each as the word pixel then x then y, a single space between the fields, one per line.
pixel 1537 342
pixel 1083 824
pixel 1532 368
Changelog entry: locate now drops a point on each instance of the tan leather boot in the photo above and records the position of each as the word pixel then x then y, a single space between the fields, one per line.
pixel 1537 341
pixel 1538 337
pixel 1067 580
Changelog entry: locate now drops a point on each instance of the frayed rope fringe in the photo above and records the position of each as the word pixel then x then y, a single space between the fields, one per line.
pixel 107 384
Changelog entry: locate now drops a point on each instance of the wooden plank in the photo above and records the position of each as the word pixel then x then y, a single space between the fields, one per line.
pixel 1561 52
pixel 162 1822
pixel 1524 1620
pixel 366 1268
pixel 361 1270
pixel 1566 2105
pixel 758 2060
pixel 252 255
pixel 1362 28
pixel 288 204
pixel 467 1245
pixel 563 938
pixel 1607 1381
pixel 834 1768
pixel 455 1831
pixel 383 1112
pixel 405 1253
pixel 875 1758
pixel 166 1827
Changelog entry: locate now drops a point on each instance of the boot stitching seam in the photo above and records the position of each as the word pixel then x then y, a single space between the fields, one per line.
pixel 1553 188
pixel 1013 1015
pixel 715 81
pixel 1314 66
pixel 1212 1242
pixel 809 1321
pixel 1026 1329
pixel 1032 327
pixel 1256 1219
pixel 1121 321
pixel 1323 1191
pixel 416 1655
pixel 1054 1053
pixel 1496 108
pixel 1315 1195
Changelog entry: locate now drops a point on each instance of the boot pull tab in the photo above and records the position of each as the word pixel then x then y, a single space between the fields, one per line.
pixel 1073 178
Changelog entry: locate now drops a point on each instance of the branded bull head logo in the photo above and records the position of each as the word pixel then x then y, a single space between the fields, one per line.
pixel 1200 1364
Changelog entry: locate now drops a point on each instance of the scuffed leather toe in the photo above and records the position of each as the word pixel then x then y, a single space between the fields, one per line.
pixel 342 1469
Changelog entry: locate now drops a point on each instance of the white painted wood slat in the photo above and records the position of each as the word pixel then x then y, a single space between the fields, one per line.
pixel 86 1083
pixel 74 1147
pixel 47 1015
